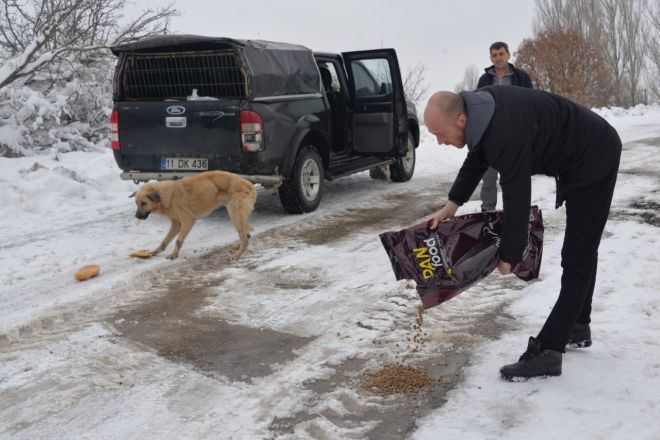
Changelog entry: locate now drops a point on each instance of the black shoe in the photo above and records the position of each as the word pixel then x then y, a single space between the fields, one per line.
pixel 534 362
pixel 580 336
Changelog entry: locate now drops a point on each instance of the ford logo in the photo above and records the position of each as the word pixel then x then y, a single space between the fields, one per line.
pixel 175 110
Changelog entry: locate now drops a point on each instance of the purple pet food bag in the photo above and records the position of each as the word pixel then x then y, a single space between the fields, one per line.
pixel 460 252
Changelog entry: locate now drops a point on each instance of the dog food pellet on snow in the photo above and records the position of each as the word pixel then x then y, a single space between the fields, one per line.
pixel 399 378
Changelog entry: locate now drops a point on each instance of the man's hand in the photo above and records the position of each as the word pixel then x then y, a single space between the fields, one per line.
pixel 449 210
pixel 504 267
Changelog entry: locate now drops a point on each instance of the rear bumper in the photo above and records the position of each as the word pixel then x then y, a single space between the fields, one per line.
pixel 173 175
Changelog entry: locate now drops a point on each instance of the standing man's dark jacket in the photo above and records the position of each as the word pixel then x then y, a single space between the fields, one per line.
pixel 520 78
pixel 521 132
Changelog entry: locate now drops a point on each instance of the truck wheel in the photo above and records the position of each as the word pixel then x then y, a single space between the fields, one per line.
pixel 303 191
pixel 402 169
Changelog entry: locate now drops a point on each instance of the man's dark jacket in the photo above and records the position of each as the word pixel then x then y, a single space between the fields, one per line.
pixel 536 132
pixel 520 78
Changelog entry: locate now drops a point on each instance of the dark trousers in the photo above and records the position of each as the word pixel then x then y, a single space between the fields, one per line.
pixel 587 210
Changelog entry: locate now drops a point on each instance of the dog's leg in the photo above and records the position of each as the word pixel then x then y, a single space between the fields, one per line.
pixel 238 213
pixel 186 226
pixel 174 229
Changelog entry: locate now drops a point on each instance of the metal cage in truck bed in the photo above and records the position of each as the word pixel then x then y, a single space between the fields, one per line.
pixel 174 76
pixel 170 67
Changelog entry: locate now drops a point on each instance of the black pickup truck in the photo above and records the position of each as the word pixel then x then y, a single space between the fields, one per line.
pixel 275 113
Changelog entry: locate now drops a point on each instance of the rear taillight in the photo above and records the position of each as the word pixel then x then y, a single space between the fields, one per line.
pixel 252 130
pixel 114 130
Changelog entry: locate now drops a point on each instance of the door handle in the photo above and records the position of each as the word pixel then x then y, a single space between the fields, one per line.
pixel 176 122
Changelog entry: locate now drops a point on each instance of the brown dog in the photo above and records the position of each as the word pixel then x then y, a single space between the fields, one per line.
pixel 185 200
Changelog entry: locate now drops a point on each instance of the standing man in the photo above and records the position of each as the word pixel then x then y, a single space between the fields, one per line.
pixel 521 132
pixel 501 73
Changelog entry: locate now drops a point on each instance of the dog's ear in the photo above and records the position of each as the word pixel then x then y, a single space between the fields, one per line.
pixel 132 195
pixel 154 196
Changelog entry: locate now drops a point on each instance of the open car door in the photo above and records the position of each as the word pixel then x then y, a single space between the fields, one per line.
pixel 378 106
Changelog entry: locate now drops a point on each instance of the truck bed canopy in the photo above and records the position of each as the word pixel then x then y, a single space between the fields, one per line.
pixel 273 68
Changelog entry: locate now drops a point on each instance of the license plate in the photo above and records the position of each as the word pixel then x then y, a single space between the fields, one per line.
pixel 184 163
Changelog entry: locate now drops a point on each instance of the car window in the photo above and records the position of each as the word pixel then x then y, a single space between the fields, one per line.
pixel 371 77
pixel 333 72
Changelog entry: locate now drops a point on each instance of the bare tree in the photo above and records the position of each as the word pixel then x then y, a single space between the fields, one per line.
pixel 625 30
pixel 35 34
pixel 470 79
pixel 633 30
pixel 564 63
pixel 616 28
pixel 612 39
pixel 414 83
pixel 556 15
pixel 653 46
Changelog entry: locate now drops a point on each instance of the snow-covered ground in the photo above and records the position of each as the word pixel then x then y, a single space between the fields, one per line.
pixel 73 365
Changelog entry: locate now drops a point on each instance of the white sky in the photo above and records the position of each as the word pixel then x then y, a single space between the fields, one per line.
pixel 444 35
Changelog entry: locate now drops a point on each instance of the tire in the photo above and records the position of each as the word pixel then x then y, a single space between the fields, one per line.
pixel 403 167
pixel 304 190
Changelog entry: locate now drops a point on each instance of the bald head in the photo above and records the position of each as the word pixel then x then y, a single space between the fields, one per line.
pixel 448 103
pixel 445 118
